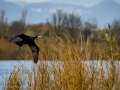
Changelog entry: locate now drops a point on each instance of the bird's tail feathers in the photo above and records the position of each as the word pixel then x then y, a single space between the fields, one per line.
pixel 35 61
pixel 35 57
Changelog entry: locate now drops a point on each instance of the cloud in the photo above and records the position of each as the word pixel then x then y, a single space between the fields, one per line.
pixel 36 10
pixel 84 3
pixel 79 11
pixel 82 12
pixel 71 10
pixel 118 1
pixel 52 10
pixel 67 10
pixel 30 1
pixel 91 4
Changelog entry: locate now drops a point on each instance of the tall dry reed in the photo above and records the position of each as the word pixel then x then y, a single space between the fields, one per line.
pixel 71 66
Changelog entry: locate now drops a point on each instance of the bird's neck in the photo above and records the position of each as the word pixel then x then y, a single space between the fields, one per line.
pixel 35 37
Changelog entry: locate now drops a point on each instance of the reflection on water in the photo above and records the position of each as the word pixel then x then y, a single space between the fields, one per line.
pixel 6 67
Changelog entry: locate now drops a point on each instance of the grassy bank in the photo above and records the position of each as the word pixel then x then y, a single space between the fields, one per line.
pixel 55 48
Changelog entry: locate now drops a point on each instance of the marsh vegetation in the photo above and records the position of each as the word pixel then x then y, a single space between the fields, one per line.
pixel 71 73
pixel 65 39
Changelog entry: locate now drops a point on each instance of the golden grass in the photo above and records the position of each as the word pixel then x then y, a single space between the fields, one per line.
pixel 71 72
pixel 73 75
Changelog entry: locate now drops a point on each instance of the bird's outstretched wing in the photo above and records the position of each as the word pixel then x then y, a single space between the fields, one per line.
pixel 22 36
pixel 35 53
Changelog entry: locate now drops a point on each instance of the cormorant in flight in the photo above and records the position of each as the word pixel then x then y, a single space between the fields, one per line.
pixel 30 41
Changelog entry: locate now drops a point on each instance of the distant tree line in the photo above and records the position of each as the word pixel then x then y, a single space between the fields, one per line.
pixel 115 29
pixel 62 24
pixel 15 27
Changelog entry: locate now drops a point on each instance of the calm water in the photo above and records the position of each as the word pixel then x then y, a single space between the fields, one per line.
pixel 6 67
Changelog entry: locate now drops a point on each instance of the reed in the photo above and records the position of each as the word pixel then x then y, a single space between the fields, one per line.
pixel 73 66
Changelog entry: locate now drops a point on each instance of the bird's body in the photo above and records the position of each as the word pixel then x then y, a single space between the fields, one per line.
pixel 30 41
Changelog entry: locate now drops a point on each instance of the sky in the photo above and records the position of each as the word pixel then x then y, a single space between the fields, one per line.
pixel 103 17
pixel 84 3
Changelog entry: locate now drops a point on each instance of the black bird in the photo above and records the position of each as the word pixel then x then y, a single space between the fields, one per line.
pixel 30 41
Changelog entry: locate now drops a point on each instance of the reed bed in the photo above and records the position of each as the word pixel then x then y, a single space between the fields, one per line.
pixel 72 66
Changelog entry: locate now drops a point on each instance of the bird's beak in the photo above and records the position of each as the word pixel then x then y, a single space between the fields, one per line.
pixel 39 36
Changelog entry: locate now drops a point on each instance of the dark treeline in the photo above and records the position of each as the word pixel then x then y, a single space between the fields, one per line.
pixel 62 24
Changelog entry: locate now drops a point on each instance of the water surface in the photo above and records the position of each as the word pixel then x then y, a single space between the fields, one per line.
pixel 7 66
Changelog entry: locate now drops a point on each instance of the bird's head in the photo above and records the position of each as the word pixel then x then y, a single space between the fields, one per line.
pixel 36 37
pixel 39 36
